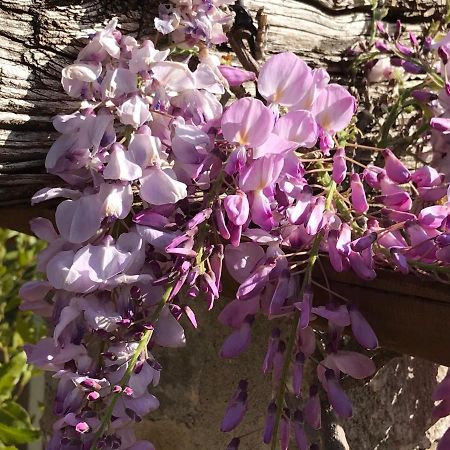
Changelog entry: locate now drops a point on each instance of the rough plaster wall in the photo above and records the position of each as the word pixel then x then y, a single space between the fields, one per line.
pixel 391 412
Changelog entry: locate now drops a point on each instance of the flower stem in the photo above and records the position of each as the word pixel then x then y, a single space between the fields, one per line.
pixel 313 256
pixel 131 365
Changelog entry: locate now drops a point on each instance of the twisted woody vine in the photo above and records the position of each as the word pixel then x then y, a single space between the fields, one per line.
pixel 169 180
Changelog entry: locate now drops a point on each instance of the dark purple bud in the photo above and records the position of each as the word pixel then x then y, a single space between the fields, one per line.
pixel 278 361
pixel 443 239
pixel 396 62
pixel 280 294
pixel 235 412
pixel 312 411
pixel 394 168
pixel 447 88
pixel 299 432
pixel 413 39
pixel 404 49
pixel 270 422
pixel 413 68
pixel 422 95
pixel 360 244
pixel 271 349
pixel 361 329
pixel 314 447
pixel 337 397
pixel 382 46
pixel 297 374
pixel 285 429
pixel 238 340
pixel 339 166
pixel 444 54
pixel 234 444
pixel 306 305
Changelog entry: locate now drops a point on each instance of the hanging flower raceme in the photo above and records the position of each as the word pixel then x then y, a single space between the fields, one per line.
pixel 167 190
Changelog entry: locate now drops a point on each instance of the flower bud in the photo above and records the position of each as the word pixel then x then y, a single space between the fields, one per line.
pixel 297 374
pixel 440 124
pixel 312 410
pixel 381 46
pixel 285 429
pixel 271 349
pixel 413 39
pixel 358 196
pixel 395 169
pixel 234 413
pixel 399 260
pixel 337 397
pixel 361 329
pixel 422 95
pixel 299 431
pixel 339 166
pixel 238 340
pixel 270 423
pixel 404 49
pixel 360 244
pixel 412 68
pixel 236 76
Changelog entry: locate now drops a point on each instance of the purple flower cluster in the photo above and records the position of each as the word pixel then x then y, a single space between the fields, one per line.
pixel 191 22
pixel 165 189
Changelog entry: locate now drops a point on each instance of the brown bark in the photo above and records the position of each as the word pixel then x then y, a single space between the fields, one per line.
pixel 39 37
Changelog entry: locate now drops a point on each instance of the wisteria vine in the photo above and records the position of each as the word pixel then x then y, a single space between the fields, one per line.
pixel 168 185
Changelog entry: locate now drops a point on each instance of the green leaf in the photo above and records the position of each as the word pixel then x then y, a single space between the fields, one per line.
pixel 10 374
pixel 7 447
pixel 15 425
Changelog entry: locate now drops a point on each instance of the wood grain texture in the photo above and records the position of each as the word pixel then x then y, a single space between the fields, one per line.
pixel 39 37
